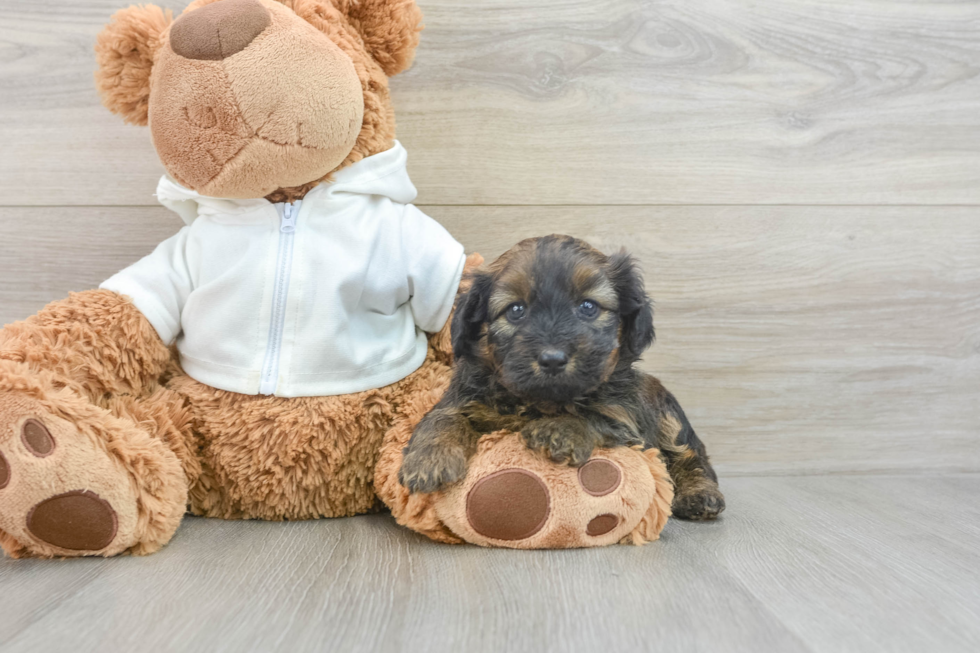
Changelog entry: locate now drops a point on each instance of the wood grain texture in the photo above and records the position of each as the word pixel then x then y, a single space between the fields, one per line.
pixel 584 102
pixel 798 339
pixel 835 564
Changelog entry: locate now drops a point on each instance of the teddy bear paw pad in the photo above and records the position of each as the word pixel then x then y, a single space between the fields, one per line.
pixel 599 477
pixel 511 504
pixel 78 521
pixel 37 438
pixel 61 493
pixel 602 524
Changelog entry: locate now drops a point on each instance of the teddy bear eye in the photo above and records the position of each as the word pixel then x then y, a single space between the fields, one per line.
pixel 588 309
pixel 516 311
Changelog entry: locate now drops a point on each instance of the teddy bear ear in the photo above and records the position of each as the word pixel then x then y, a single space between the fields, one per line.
pixel 124 51
pixel 390 29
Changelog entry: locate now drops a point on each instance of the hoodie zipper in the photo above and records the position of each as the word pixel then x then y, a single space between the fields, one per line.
pixel 284 266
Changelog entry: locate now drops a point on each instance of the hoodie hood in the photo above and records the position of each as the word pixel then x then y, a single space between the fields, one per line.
pixel 383 174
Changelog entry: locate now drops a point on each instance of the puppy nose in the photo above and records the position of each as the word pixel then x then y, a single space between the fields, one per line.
pixel 218 30
pixel 552 361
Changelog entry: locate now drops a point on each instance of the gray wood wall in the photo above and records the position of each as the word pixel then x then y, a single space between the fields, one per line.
pixel 799 178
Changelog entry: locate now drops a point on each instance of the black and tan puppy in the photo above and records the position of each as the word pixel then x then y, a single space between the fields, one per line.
pixel 545 343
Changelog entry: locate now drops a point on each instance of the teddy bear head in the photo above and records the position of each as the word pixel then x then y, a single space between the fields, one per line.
pixel 259 98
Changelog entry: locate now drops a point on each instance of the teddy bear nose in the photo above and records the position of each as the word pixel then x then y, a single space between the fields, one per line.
pixel 218 30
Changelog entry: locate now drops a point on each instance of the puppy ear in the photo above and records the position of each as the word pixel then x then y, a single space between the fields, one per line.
pixel 471 314
pixel 635 307
pixel 390 30
pixel 124 51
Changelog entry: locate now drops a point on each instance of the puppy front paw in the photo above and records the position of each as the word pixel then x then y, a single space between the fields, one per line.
pixel 428 469
pixel 563 440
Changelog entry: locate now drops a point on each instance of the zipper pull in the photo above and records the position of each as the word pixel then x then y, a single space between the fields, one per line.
pixel 289 214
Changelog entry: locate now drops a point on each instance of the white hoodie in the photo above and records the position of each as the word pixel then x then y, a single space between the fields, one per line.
pixel 326 296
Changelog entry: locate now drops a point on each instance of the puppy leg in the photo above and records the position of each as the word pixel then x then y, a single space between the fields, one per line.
pixel 696 493
pixel 438 450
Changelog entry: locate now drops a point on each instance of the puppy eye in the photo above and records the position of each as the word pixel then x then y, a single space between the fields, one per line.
pixel 516 311
pixel 588 310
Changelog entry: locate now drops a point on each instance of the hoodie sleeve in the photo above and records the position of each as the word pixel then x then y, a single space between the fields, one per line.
pixel 158 285
pixel 434 262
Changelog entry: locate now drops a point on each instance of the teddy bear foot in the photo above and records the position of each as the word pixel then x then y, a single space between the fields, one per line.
pixel 71 489
pixel 515 504
pixel 515 498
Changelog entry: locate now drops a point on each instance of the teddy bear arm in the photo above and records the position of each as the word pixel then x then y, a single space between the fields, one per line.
pixel 97 341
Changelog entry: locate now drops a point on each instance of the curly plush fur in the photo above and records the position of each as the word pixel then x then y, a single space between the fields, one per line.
pixel 166 444
pixel 134 442
pixel 124 52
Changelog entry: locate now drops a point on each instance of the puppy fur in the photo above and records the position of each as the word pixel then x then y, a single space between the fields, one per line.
pixel 545 342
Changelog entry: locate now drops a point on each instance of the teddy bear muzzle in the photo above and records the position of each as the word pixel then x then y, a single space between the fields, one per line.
pixel 248 98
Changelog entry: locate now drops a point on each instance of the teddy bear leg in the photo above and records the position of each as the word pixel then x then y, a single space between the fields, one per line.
pixel 76 479
pixel 275 458
pixel 83 469
pixel 515 498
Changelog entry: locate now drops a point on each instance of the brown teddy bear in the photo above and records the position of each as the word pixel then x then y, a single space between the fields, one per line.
pixel 271 359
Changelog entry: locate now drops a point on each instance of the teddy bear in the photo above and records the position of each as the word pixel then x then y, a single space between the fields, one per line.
pixel 270 360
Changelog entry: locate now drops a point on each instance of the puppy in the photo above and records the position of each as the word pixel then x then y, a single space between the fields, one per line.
pixel 545 342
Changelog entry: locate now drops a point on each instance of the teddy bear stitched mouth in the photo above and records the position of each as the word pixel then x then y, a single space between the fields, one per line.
pixel 212 122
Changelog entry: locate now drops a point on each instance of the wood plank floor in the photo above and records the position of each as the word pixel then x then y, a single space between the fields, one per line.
pixel 817 563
